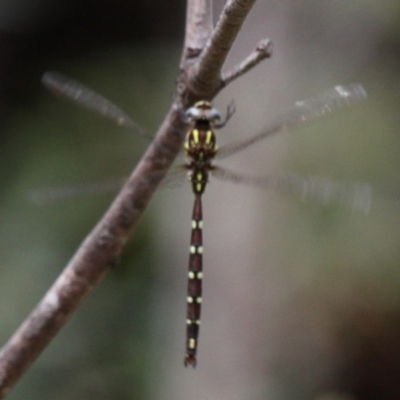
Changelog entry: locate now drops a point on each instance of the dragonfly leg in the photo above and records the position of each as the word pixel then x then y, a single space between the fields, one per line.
pixel 230 110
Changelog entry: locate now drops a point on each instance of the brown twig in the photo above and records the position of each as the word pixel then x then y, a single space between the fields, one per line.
pixel 260 53
pixel 202 59
pixel 203 80
pixel 199 28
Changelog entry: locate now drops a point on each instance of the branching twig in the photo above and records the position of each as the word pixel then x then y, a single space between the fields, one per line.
pixel 261 52
pixel 200 76
pixel 204 78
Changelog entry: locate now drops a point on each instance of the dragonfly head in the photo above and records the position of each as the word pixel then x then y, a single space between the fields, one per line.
pixel 203 110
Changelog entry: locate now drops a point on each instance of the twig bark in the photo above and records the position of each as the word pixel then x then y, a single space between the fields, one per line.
pixel 199 28
pixel 203 79
pixel 260 53
pixel 202 58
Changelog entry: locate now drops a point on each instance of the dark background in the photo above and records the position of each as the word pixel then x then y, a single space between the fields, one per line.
pixel 301 300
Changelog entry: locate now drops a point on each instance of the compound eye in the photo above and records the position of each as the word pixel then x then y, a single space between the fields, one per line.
pixel 190 112
pixel 215 115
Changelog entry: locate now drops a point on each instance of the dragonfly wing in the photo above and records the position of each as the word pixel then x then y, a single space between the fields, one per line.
pixel 64 86
pixel 356 196
pixel 315 107
pixel 176 176
pixel 47 195
pixel 41 196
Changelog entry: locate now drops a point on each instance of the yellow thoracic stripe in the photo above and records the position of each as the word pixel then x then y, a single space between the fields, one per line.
pixel 195 136
pixel 208 137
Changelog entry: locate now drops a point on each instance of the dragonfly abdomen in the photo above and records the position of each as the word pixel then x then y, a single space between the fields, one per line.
pixel 195 277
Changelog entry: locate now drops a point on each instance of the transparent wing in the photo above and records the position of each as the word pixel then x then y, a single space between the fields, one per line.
pixel 53 194
pixel 355 196
pixel 176 177
pixel 64 86
pixel 315 107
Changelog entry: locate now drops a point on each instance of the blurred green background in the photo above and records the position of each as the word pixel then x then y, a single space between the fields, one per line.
pixel 301 301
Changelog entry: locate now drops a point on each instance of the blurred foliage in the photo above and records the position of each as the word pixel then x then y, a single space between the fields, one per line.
pixel 323 281
pixel 56 144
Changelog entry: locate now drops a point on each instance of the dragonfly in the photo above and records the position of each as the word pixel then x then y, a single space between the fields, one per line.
pixel 201 150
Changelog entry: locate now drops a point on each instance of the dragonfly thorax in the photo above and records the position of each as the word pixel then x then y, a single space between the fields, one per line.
pixel 200 144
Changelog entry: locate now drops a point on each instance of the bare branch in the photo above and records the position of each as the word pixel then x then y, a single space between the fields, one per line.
pixel 262 51
pixel 199 27
pixel 204 78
